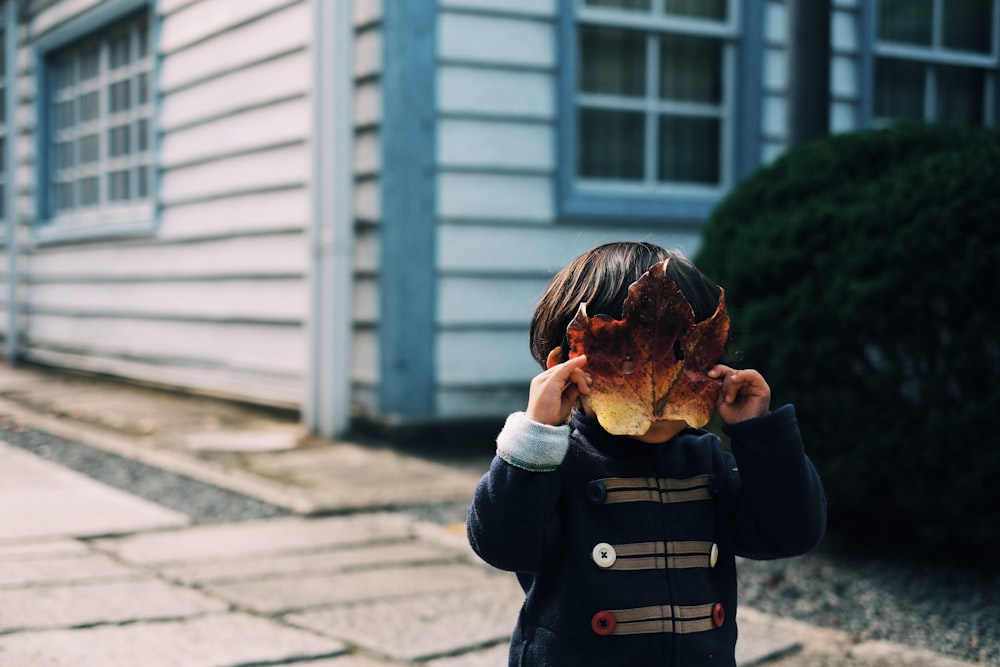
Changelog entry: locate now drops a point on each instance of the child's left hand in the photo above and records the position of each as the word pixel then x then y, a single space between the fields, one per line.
pixel 744 394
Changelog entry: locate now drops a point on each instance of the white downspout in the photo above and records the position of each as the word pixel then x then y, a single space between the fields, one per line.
pixel 10 183
pixel 331 321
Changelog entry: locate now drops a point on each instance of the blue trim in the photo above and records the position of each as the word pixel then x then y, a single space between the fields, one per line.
pixel 574 204
pixel 12 339
pixel 86 23
pixel 749 92
pixel 866 59
pixel 46 230
pixel 407 285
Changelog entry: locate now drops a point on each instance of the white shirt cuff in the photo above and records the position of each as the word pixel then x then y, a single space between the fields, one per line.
pixel 532 446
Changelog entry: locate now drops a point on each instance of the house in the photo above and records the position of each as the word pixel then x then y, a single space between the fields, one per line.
pixel 349 207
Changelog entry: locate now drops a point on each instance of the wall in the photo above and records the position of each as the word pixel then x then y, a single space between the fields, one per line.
pixel 215 298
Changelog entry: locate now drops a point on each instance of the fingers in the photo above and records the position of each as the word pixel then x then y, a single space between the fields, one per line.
pixel 719 370
pixel 554 391
pixel 579 377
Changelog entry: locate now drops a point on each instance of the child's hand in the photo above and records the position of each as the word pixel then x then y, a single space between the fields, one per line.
pixel 554 391
pixel 744 394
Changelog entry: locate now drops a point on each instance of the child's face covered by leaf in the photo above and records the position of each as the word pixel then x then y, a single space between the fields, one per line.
pixel 652 364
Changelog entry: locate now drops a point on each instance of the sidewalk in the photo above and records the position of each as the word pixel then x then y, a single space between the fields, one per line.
pixel 93 576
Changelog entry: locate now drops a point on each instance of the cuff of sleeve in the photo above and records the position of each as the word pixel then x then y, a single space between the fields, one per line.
pixel 531 446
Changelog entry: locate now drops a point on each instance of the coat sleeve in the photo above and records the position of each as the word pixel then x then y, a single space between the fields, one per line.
pixel 778 506
pixel 513 522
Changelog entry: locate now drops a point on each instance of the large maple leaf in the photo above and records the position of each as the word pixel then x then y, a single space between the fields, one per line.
pixel 652 364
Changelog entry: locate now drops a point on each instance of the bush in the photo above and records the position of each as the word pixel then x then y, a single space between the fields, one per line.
pixel 863 272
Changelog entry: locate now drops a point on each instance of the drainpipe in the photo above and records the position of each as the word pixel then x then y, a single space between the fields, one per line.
pixel 331 321
pixel 10 189
pixel 808 70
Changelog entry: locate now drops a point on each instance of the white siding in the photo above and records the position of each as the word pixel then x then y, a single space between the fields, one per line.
pixel 215 299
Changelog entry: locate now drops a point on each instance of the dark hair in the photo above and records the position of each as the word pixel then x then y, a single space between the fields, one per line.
pixel 601 277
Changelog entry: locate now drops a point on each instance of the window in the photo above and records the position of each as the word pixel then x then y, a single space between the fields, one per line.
pixel 648 102
pixel 936 61
pixel 97 133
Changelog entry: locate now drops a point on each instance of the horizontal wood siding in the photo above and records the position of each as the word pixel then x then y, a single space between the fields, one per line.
pixel 216 298
pixel 498 239
pixel 368 114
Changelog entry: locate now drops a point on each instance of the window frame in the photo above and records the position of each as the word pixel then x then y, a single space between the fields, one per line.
pixel 933 56
pixel 740 143
pixel 137 218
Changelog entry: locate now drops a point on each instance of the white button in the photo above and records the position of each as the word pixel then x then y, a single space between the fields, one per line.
pixel 714 557
pixel 604 555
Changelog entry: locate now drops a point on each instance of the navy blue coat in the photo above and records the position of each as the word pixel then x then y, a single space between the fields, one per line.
pixel 626 551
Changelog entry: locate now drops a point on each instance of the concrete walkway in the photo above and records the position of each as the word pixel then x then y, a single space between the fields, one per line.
pixel 93 576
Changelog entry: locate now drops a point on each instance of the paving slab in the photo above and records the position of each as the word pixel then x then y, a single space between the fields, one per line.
pixel 67 606
pixel 494 656
pixel 422 627
pixel 219 640
pixel 345 476
pixel 278 595
pixel 43 548
pixel 253 538
pixel 764 638
pixel 61 568
pixel 42 499
pixel 408 552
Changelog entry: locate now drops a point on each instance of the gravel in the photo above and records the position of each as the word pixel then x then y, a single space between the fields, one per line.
pixel 935 607
pixel 203 502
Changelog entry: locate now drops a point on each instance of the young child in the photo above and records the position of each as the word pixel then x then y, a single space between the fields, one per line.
pixel 625 546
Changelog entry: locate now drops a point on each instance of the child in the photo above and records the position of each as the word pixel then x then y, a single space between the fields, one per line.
pixel 625 546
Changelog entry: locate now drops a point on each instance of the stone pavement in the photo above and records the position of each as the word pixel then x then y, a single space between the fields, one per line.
pixel 94 576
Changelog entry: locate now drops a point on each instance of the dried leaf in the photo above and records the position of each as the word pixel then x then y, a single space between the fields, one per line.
pixel 650 365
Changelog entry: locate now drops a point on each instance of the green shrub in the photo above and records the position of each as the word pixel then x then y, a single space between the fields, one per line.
pixel 863 272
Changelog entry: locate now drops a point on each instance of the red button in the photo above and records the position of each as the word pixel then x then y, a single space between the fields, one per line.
pixel 603 623
pixel 718 614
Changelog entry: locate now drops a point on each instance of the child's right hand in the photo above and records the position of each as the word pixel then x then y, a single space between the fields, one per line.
pixel 554 391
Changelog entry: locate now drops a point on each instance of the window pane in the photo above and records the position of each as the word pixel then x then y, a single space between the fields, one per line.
pixel 65 154
pixel 690 69
pixel 64 195
pixel 142 135
pixel 88 191
pixel 90 106
pixel 960 95
pixel 118 186
pixel 142 182
pixel 968 25
pixel 689 149
pixel 118 51
pixel 907 21
pixel 66 114
pixel 612 144
pixel 89 148
pixel 63 74
pixel 118 141
pixel 90 63
pixel 620 4
pixel 899 89
pixel 142 87
pixel 142 45
pixel 612 61
pixel 118 96
pixel 702 9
